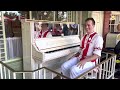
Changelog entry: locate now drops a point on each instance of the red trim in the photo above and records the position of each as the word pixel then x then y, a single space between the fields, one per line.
pixel 40 34
pixel 83 41
pixel 87 46
pixel 45 34
pixel 36 46
pixel 82 46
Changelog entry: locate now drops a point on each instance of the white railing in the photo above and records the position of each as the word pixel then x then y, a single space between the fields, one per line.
pixel 104 70
pixel 3 54
pixel 7 72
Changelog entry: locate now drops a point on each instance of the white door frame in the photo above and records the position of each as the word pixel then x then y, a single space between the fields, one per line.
pixel 101 18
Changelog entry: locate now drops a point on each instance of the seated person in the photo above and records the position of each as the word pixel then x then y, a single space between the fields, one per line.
pixel 90 50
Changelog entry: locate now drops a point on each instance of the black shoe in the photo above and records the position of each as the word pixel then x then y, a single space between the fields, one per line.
pixel 57 77
pixel 117 74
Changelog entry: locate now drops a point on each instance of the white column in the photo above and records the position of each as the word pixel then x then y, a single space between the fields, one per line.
pixel 30 14
pixel 54 15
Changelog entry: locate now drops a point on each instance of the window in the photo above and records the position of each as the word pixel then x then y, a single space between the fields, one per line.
pixel 114 20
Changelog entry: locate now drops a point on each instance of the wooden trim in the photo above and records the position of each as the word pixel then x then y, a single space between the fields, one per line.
pixel 115 12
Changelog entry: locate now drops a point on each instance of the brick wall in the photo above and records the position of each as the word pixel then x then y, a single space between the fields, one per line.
pixel 106 24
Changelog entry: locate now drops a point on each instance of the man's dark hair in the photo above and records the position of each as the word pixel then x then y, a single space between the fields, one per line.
pixel 45 24
pixel 93 21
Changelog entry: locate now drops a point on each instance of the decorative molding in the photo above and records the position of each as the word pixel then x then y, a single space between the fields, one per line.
pixel 115 12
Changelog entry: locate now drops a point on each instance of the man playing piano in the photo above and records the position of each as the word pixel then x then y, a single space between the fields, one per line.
pixel 90 50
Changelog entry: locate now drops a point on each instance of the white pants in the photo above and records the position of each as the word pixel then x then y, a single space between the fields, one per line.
pixel 70 69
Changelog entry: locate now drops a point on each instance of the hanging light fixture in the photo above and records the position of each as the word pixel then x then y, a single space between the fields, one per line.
pixel 112 17
pixel 45 13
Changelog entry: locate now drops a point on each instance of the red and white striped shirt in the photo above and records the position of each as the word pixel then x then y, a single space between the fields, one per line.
pixel 41 34
pixel 91 44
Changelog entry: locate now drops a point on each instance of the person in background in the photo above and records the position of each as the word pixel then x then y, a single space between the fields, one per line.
pixel 118 32
pixel 36 29
pixel 65 29
pixel 118 27
pixel 57 31
pixel 73 29
pixel 43 31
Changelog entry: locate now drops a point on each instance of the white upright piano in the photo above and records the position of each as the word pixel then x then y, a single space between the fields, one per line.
pixel 46 49
pixel 37 52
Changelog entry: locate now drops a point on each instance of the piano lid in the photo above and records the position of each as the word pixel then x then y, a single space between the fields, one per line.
pixel 49 44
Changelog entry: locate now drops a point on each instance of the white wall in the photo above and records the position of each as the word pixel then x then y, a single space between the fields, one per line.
pixel 98 16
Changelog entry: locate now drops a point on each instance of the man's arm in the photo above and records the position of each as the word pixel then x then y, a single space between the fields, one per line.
pixel 82 62
pixel 77 54
pixel 49 35
pixel 90 58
